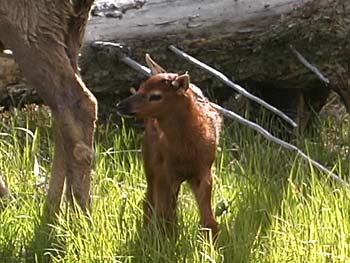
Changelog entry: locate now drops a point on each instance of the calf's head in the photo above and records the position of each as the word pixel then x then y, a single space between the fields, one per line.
pixel 157 95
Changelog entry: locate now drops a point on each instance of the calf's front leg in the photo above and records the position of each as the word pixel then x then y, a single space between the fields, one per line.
pixel 162 194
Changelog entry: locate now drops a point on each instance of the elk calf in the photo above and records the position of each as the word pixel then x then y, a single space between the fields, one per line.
pixel 179 143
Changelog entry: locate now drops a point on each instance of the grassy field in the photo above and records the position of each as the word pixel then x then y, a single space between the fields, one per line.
pixel 271 205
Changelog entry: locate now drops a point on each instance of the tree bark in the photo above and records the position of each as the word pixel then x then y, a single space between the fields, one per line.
pixel 249 41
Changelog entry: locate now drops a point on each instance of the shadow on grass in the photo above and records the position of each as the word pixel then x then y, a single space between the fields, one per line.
pixel 8 253
pixel 253 220
pixel 186 244
pixel 16 244
pixel 45 243
pixel 152 244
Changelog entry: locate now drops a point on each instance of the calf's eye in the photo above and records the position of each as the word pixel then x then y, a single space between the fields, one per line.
pixel 155 97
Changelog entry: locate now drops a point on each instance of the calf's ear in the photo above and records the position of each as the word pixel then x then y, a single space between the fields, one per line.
pixel 155 68
pixel 181 82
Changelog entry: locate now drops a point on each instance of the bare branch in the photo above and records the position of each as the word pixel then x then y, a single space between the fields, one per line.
pixel 311 67
pixel 121 52
pixel 136 66
pixel 274 139
pixel 231 84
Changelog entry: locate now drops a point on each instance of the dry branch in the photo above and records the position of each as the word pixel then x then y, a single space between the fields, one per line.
pixel 311 67
pixel 274 139
pixel 231 84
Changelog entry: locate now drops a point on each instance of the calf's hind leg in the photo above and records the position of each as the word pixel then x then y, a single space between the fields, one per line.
pixel 202 188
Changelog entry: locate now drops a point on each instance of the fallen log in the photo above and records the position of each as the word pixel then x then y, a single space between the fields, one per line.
pixel 247 40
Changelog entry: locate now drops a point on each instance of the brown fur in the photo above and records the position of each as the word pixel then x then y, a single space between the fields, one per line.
pixel 179 144
pixel 45 37
pixel 3 189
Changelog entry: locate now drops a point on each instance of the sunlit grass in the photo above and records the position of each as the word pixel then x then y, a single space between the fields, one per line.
pixel 271 205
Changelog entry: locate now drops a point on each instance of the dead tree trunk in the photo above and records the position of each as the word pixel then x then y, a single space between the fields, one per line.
pixel 247 40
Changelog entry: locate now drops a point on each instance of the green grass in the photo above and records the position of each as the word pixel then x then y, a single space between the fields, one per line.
pixel 271 205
